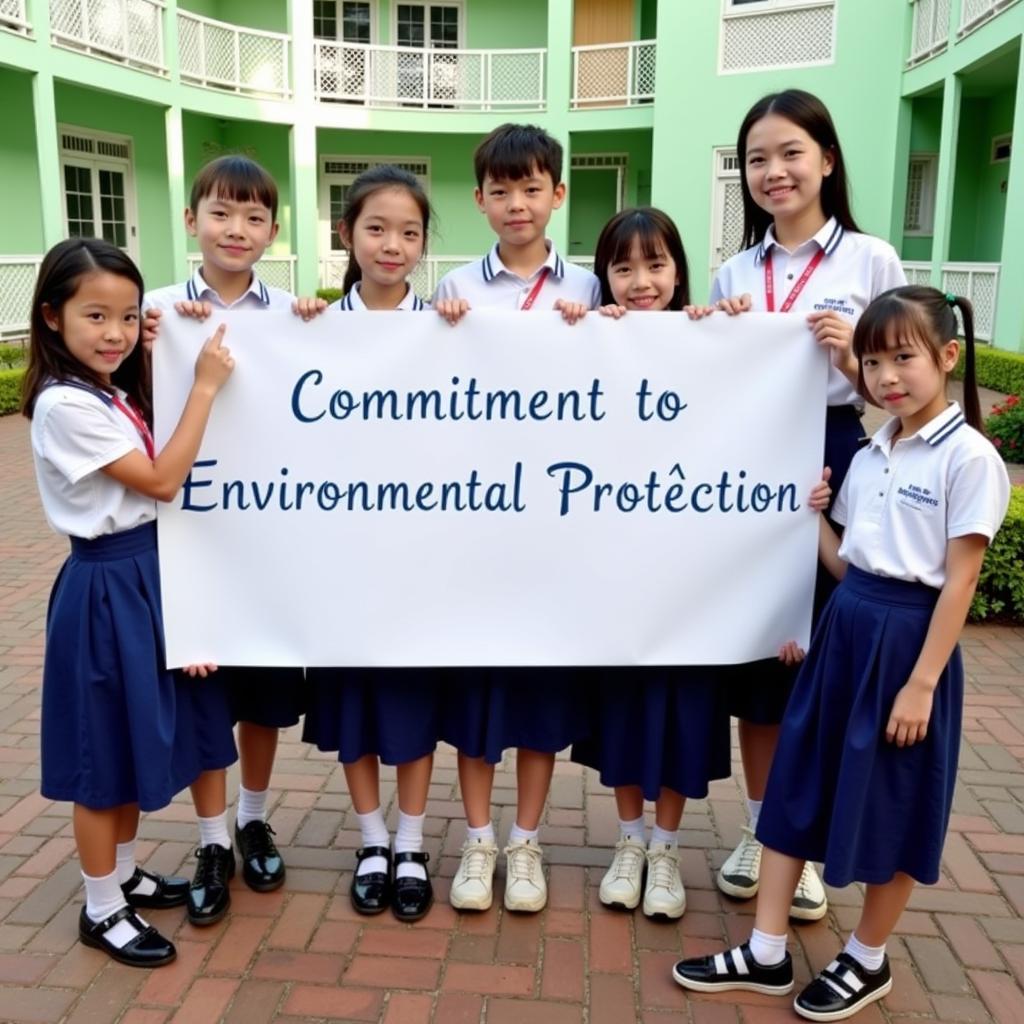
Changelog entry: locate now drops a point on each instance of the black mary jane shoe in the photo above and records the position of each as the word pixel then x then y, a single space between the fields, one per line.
pixel 262 864
pixel 209 896
pixel 371 893
pixel 411 897
pixel 169 891
pixel 148 949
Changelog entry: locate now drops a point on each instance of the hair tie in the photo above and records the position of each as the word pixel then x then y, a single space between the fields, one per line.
pixel 951 298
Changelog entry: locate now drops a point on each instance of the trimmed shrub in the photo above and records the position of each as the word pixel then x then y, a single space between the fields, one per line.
pixel 1000 592
pixel 11 356
pixel 996 369
pixel 330 294
pixel 10 391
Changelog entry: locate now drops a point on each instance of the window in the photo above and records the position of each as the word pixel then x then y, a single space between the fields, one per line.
pixel 96 182
pixel 1001 146
pixel 427 25
pixel 919 213
pixel 356 19
pixel 325 19
pixel 726 208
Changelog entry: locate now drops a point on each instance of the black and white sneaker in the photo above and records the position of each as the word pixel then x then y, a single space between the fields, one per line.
pixel 842 989
pixel 735 969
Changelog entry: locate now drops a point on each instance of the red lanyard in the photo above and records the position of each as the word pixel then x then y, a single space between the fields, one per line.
pixel 532 297
pixel 135 416
pixel 769 282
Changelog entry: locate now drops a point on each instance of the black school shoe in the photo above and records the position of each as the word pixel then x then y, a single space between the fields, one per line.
pixel 169 891
pixel 262 865
pixel 208 895
pixel 842 989
pixel 371 893
pixel 411 897
pixel 735 969
pixel 148 949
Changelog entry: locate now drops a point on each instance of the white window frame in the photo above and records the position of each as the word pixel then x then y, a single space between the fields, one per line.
pixel 97 162
pixel 618 162
pixel 720 173
pixel 460 4
pixel 325 180
pixel 374 22
pixel 926 218
pixel 1006 139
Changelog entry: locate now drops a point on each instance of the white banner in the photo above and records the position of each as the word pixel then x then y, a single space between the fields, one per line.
pixel 382 489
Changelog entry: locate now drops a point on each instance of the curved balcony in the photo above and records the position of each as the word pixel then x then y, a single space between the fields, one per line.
pixel 974 14
pixel 127 31
pixel 12 16
pixel 930 34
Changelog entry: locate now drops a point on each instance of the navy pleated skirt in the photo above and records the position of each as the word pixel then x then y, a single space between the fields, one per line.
pixel 838 792
pixel 655 727
pixel 486 711
pixel 394 713
pixel 117 726
pixel 271 697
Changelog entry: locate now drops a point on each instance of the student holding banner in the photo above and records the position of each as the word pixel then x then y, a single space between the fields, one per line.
pixel 803 252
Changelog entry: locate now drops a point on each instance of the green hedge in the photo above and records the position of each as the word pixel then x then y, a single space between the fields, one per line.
pixel 330 294
pixel 10 391
pixel 1000 592
pixel 997 369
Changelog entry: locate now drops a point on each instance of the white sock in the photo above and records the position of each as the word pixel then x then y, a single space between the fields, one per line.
pixel 754 810
pixel 767 950
pixel 126 868
pixel 252 806
pixel 871 957
pixel 632 829
pixel 484 834
pixel 374 833
pixel 409 838
pixel 522 835
pixel 214 830
pixel 103 897
pixel 663 835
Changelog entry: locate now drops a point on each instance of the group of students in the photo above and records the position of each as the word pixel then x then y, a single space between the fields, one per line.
pixel 851 761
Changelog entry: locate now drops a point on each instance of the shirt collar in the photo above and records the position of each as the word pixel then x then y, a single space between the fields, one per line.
pixel 196 287
pixel 491 265
pixel 934 432
pixel 352 300
pixel 827 239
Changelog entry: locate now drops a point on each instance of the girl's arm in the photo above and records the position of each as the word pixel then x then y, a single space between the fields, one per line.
pixel 161 478
pixel 908 720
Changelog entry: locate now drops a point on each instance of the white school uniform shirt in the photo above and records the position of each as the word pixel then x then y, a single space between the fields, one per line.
pixel 75 433
pixel 902 503
pixel 257 296
pixel 352 300
pixel 488 283
pixel 856 269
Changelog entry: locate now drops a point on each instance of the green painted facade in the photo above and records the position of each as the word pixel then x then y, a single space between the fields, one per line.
pixel 951 105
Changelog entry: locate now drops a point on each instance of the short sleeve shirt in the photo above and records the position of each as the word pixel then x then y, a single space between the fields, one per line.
pixel 257 296
pixel 75 433
pixel 902 503
pixel 352 300
pixel 856 268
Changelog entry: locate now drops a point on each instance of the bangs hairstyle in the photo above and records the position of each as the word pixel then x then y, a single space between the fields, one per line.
pixel 235 178
pixel 369 183
pixel 516 151
pixel 60 275
pixel 806 111
pixel 655 232
pixel 917 315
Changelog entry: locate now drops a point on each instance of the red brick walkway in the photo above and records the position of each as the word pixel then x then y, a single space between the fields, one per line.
pixel 301 955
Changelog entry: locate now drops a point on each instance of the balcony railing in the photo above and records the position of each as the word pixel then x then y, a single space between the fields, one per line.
pixel 404 77
pixel 613 74
pixel 12 16
pixel 127 31
pixel 277 271
pixel 930 33
pixel 978 282
pixel 974 13
pixel 17 283
pixel 217 55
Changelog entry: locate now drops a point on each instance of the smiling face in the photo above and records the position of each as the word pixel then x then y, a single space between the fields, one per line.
pixel 644 280
pixel 386 240
pixel 518 210
pixel 99 324
pixel 233 234
pixel 785 169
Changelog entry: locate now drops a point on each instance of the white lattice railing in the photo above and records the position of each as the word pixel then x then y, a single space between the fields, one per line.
pixel 217 55
pixel 12 16
pixel 918 271
pixel 17 283
pixel 613 74
pixel 930 32
pixel 978 282
pixel 128 31
pixel 755 37
pixel 402 77
pixel 974 13
pixel 277 271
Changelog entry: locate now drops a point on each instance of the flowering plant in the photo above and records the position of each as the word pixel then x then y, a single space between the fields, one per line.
pixel 1005 428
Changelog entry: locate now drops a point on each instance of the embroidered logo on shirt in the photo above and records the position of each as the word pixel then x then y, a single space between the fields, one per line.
pixel 836 306
pixel 920 498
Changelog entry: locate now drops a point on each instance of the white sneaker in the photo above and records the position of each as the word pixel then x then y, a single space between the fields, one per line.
pixel 809 901
pixel 664 895
pixel 623 881
pixel 473 884
pixel 525 887
pixel 740 875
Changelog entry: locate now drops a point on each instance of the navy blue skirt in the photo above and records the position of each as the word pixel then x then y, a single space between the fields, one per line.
pixel 394 713
pixel 486 711
pixel 658 727
pixel 271 697
pixel 117 726
pixel 838 792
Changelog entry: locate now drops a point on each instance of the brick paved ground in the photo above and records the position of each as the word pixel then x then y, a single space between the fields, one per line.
pixel 300 954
